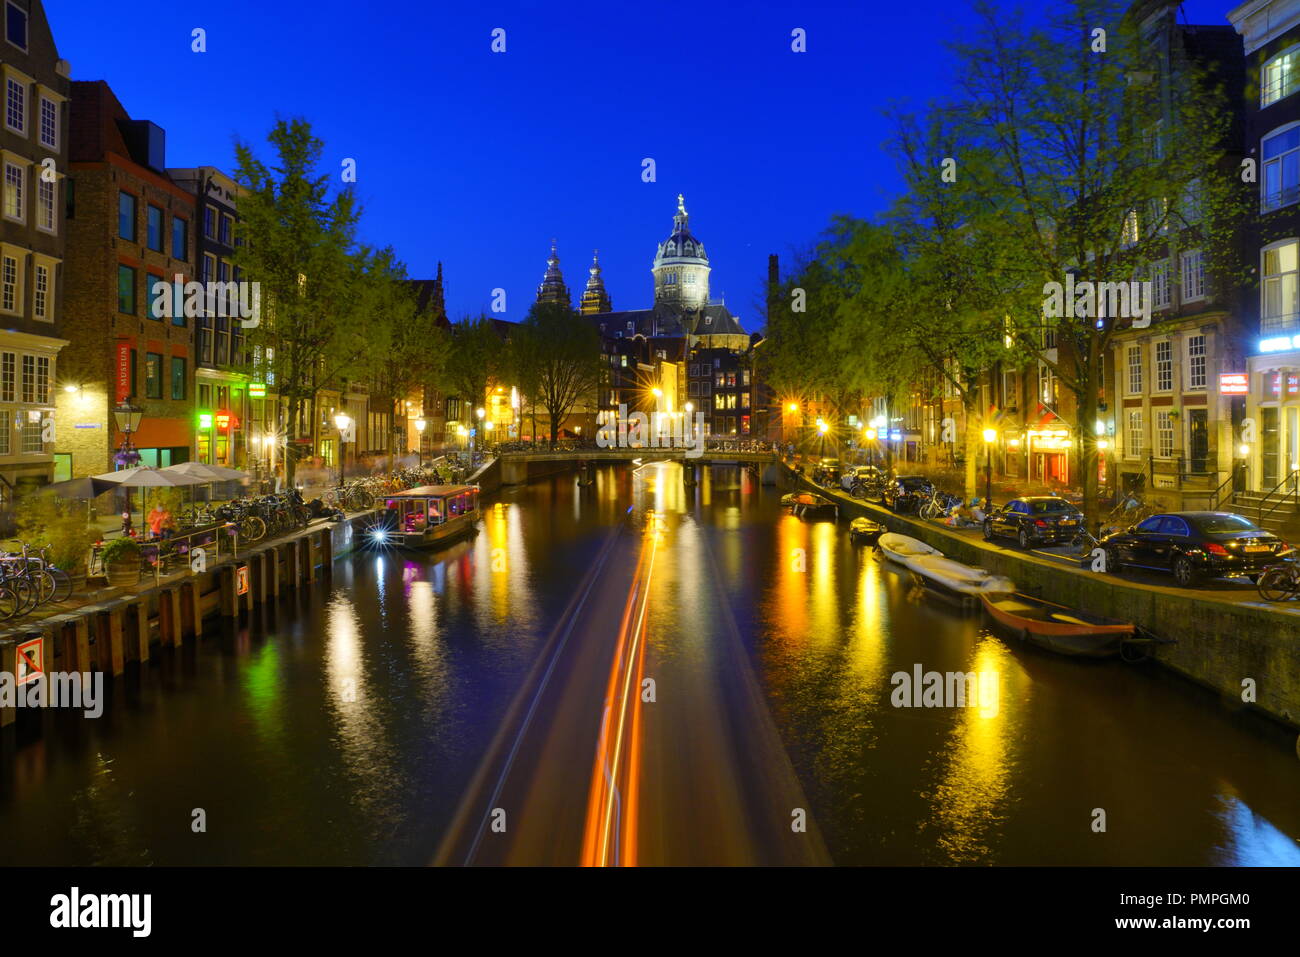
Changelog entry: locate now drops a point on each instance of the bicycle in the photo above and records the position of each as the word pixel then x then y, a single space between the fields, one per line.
pixel 1279 582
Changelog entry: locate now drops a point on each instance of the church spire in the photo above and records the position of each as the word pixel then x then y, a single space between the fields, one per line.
pixel 681 219
pixel 594 297
pixel 552 288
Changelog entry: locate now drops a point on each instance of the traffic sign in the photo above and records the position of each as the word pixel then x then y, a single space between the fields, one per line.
pixel 31 660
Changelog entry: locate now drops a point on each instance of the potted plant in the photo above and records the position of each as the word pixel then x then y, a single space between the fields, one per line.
pixel 122 562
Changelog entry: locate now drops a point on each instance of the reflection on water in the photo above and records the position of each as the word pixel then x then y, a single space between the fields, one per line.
pixel 344 727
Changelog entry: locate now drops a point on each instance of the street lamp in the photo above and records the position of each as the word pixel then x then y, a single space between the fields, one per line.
pixel 990 436
pixel 343 421
pixel 420 426
pixel 479 412
pixel 128 423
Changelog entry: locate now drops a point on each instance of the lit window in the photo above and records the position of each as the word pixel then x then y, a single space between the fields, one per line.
pixel 1164 434
pixel 1278 77
pixel 15 180
pixel 1164 366
pixel 1134 370
pixel 1133 440
pixel 1196 362
pixel 1281 158
pixel 1278 288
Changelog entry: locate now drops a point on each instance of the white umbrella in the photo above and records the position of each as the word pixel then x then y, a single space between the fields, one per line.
pixel 146 476
pixel 209 473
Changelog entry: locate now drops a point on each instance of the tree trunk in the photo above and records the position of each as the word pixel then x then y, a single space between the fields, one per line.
pixel 974 440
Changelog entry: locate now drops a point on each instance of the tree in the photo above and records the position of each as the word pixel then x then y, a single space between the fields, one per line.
pixel 477 355
pixel 559 353
pixel 298 240
pixel 1083 155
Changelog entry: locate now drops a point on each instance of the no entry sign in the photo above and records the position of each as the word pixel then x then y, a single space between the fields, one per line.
pixel 31 660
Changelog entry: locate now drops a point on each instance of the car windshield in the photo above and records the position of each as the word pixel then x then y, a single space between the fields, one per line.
pixel 1041 508
pixel 1225 524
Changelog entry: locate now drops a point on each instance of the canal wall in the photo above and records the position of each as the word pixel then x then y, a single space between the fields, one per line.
pixel 127 626
pixel 1217 642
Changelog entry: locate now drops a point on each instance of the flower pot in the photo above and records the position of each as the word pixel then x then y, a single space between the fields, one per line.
pixel 123 574
pixel 77 577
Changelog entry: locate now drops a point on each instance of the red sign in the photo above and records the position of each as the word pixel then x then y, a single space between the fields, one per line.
pixel 1234 383
pixel 225 421
pixel 123 372
pixel 31 660
pixel 241 580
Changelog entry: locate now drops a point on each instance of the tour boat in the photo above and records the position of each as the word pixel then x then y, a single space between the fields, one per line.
pixel 427 516
pixel 955 580
pixel 864 531
pixel 1066 631
pixel 901 547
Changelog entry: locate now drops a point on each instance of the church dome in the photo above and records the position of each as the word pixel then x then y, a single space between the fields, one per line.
pixel 681 245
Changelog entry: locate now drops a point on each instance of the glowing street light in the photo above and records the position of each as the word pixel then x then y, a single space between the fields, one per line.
pixel 342 422
pixel 990 436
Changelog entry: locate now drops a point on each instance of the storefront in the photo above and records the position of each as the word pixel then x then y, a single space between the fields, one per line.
pixel 1049 455
pixel 1272 453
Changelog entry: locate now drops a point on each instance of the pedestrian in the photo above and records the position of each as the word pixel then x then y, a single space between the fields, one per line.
pixel 158 519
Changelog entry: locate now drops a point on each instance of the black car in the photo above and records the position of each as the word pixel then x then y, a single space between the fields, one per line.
pixel 1194 546
pixel 904 493
pixel 1034 519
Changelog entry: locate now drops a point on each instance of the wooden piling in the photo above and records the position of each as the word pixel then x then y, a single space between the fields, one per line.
pixel 9 665
pixel 137 646
pixel 116 633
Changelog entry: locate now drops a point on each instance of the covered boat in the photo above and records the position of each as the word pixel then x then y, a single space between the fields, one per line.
pixel 427 516
pixel 902 547
pixel 809 505
pixel 863 531
pixel 955 580
pixel 1066 631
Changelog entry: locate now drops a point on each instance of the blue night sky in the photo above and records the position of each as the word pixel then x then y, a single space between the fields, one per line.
pixel 478 159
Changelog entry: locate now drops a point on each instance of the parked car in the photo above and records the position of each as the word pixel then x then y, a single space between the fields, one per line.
pixel 1033 520
pixel 1195 546
pixel 904 493
pixel 865 474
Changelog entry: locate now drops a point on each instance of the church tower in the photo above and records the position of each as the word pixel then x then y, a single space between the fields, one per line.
pixel 681 267
pixel 594 298
pixel 552 288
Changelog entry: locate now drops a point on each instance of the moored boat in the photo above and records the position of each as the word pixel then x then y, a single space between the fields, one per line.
pixel 427 516
pixel 809 505
pixel 955 580
pixel 863 531
pixel 900 548
pixel 1067 631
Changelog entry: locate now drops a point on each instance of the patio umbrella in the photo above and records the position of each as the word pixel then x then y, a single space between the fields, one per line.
pixel 208 473
pixel 88 487
pixel 146 476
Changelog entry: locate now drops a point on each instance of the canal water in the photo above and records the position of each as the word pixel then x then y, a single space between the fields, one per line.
pixel 345 726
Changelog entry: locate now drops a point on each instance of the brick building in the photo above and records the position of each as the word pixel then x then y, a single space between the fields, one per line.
pixel 34 154
pixel 129 226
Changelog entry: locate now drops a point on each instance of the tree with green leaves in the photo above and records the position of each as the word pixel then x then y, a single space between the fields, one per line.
pixel 477 355
pixel 558 353
pixel 320 292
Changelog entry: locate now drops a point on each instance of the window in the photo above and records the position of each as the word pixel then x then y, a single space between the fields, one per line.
pixel 9 284
pixel 180 238
pixel 1164 366
pixel 49 123
pixel 1047 384
pixel 6 429
pixel 8 374
pixel 1129 232
pixel 15 180
pixel 227 227
pixel 152 375
pixel 154 228
pixel 1278 77
pixel 1281 157
pixel 1161 287
pixel 209 267
pixel 178 378
pixel 1191 202
pixel 1133 441
pixel 126 216
pixel 1135 370
pixel 1165 434
pixel 1196 362
pixel 36 380
pixel 16 25
pixel 45 206
pixel 209 222
pixel 1278 288
pixel 126 290
pixel 1192 270
pixel 16 105
pixel 41 299
pixel 32 433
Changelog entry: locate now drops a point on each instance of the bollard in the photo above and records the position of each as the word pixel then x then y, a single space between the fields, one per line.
pixel 8 665
pixel 137 647
pixel 193 608
pixel 293 564
pixel 169 617
pixel 229 597
pixel 116 632
pixel 274 554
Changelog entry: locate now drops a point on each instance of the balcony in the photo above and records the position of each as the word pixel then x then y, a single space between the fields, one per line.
pixel 1287 196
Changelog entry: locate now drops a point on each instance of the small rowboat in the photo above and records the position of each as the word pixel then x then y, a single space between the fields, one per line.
pixel 954 580
pixel 863 531
pixel 809 505
pixel 1066 631
pixel 900 548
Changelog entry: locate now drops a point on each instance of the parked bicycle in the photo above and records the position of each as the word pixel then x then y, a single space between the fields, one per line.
pixel 1279 582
